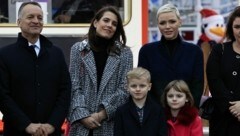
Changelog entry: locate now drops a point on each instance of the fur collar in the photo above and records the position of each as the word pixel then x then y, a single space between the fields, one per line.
pixel 185 116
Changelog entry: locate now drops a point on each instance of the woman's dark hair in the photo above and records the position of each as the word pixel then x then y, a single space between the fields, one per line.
pixel 232 17
pixel 119 34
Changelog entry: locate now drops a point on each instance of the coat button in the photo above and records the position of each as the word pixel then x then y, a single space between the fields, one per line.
pixel 234 73
pixel 238 56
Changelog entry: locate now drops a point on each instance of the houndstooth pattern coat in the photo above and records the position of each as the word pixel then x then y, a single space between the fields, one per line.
pixel 86 99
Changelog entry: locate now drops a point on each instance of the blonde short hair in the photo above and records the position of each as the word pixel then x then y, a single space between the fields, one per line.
pixel 168 8
pixel 138 73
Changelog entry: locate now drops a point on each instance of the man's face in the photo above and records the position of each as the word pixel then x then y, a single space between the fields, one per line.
pixel 31 21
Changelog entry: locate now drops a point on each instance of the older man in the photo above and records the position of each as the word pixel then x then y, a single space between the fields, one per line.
pixel 34 80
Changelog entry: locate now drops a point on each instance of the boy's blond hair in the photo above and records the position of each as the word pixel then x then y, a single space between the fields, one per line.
pixel 138 73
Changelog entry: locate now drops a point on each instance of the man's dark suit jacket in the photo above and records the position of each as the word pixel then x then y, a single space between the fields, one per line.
pixel 33 89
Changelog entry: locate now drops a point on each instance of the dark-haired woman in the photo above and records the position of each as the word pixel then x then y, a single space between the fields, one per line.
pixel 98 68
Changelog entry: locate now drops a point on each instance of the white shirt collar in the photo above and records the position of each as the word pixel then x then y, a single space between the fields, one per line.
pixel 37 44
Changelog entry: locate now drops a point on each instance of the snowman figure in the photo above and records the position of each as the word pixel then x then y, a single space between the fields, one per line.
pixel 213 31
pixel 213 27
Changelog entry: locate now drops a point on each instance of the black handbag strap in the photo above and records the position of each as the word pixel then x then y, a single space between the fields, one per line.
pixel 222 48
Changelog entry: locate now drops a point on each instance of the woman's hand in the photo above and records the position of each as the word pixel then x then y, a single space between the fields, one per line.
pixel 102 115
pixel 90 122
pixel 235 109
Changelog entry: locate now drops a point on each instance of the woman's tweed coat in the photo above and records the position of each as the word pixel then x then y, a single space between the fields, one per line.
pixel 86 99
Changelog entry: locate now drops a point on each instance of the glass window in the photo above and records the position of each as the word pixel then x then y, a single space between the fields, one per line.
pixel 64 12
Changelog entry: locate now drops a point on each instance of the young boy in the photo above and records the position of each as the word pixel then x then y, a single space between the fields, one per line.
pixel 140 116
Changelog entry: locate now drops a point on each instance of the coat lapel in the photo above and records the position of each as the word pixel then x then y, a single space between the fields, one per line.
pixel 110 68
pixel 44 46
pixel 147 110
pixel 42 51
pixel 89 62
pixel 133 111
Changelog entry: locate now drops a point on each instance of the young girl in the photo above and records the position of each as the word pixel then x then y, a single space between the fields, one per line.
pixel 182 116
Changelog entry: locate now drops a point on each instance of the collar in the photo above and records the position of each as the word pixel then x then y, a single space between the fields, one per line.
pixel 37 44
pixel 85 45
pixel 23 42
pixel 147 101
pixel 177 40
pixel 185 116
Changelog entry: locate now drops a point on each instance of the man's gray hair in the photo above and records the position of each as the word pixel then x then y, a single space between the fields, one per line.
pixel 168 8
pixel 25 4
